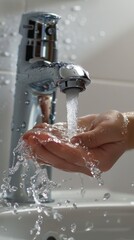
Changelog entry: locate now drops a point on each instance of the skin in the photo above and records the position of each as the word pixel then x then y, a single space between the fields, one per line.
pixel 104 138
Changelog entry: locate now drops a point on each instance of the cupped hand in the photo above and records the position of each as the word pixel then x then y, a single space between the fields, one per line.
pixel 50 148
pixel 105 136
pixel 101 141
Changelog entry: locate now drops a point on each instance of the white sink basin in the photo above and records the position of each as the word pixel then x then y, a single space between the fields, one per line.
pixel 82 219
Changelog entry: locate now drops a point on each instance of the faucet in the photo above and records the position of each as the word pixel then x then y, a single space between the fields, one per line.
pixel 38 76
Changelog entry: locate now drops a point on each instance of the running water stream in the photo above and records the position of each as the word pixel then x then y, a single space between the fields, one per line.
pixel 72 111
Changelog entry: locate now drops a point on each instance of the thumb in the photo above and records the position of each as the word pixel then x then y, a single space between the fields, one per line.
pixel 91 139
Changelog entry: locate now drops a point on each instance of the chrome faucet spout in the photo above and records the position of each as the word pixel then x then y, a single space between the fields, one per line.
pixel 57 74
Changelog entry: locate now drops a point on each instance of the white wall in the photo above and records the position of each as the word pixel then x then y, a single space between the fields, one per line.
pixel 97 34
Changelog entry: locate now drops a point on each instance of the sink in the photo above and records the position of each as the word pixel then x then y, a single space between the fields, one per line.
pixel 71 216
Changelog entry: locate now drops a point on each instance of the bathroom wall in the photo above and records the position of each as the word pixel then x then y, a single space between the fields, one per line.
pixel 97 34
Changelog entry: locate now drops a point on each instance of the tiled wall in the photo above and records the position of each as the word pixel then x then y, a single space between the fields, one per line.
pixel 95 34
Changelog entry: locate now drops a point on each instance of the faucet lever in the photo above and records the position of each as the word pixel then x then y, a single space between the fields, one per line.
pixel 39 32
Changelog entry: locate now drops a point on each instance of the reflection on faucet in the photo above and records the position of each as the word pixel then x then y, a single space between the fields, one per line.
pixel 38 75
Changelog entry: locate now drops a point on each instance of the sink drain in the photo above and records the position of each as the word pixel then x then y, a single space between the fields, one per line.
pixel 51 235
pixel 51 238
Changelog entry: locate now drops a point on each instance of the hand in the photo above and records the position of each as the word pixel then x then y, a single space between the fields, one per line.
pixel 102 142
pixel 105 136
pixel 50 148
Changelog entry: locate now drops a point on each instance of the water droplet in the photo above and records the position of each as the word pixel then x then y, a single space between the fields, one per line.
pixel 118 220
pixel 7 82
pixel 12 90
pixel 13 189
pixel 105 214
pixel 31 232
pixel 73 227
pixel 23 176
pixel 27 102
pixel 107 221
pixel 132 184
pixel 63 229
pixel 83 191
pixel 57 216
pixel 67 22
pixel 72 17
pixel 67 41
pixel 39 209
pixel 19 218
pixel 95 171
pixel 26 93
pixel 75 205
pixel 63 237
pixel 102 34
pixel 21 185
pixel 4 35
pixel 2 23
pixel 5 54
pixel 73 57
pixel 59 204
pixel 89 226
pixel 13 34
pixel 15 208
pixel 18 130
pixel 67 202
pixel 76 8
pixel 106 196
pixel 3 228
pixel 23 125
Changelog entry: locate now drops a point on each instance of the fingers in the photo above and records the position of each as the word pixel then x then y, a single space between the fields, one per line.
pixel 98 136
pixel 43 156
pixel 86 121
pixel 36 132
pixel 29 133
pixel 91 139
pixel 41 125
pixel 66 151
pixel 46 129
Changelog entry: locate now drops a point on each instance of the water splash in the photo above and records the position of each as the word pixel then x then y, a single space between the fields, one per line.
pixel 95 171
pixel 39 189
pixel 36 230
pixel 41 186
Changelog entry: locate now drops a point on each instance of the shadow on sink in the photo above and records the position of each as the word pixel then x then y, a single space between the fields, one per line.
pixel 73 219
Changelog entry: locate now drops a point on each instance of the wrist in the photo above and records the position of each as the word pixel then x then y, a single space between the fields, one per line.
pixel 129 118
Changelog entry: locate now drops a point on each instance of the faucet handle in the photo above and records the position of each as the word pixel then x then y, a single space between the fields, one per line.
pixel 39 31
